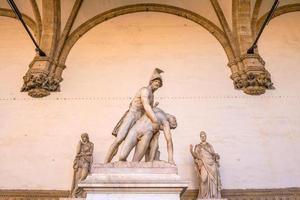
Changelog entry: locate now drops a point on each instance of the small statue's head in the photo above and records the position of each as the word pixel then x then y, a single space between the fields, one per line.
pixel 202 136
pixel 172 121
pixel 84 137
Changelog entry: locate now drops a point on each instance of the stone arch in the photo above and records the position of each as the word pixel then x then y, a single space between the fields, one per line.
pixel 85 27
pixel 279 11
pixel 29 21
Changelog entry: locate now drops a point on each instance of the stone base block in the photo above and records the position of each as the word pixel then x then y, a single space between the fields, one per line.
pixel 210 199
pixel 157 180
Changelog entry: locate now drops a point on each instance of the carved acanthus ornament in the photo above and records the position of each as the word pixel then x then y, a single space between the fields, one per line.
pixel 250 74
pixel 37 81
pixel 39 85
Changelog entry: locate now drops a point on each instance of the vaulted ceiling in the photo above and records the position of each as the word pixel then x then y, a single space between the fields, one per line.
pixel 58 24
pixel 91 8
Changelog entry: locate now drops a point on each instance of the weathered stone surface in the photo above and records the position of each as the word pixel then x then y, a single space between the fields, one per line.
pixel 252 78
pixel 155 167
pixel 72 198
pixel 230 194
pixel 134 181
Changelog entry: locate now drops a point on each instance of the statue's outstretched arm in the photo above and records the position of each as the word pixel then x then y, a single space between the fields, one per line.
pixel 153 148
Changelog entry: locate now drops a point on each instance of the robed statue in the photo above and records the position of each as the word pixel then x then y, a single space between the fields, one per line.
pixel 207 166
pixel 82 164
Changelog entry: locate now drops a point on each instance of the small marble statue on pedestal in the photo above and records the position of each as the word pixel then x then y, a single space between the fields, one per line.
pixel 82 164
pixel 207 164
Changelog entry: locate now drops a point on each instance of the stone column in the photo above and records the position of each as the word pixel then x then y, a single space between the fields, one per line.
pixel 36 81
pixel 248 71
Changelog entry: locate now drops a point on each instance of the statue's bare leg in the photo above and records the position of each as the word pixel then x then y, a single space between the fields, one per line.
pixel 153 147
pixel 128 144
pixel 80 176
pixel 147 155
pixel 127 123
pixel 78 179
pixel 141 148
pixel 75 170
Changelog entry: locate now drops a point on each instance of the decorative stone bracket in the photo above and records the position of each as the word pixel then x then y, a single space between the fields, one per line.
pixel 37 81
pixel 250 75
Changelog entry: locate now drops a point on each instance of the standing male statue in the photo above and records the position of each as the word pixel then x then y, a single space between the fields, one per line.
pixel 141 103
pixel 207 163
pixel 82 163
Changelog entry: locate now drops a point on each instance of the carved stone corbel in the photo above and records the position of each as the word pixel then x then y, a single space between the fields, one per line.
pixel 252 77
pixel 37 81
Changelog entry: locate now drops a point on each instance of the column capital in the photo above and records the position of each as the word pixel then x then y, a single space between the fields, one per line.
pixel 253 78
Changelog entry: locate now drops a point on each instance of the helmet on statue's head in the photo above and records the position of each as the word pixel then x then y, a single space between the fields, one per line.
pixel 156 76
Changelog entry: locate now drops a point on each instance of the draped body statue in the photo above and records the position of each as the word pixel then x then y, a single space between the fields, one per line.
pixel 143 137
pixel 207 164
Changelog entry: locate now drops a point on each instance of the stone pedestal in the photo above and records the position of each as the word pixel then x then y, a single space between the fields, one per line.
pixel 157 180
pixel 210 199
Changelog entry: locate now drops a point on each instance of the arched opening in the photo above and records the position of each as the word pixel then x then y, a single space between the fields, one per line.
pixel 114 59
pixel 139 42
pixel 208 25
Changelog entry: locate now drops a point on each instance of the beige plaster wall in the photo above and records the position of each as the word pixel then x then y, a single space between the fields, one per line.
pixel 257 137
